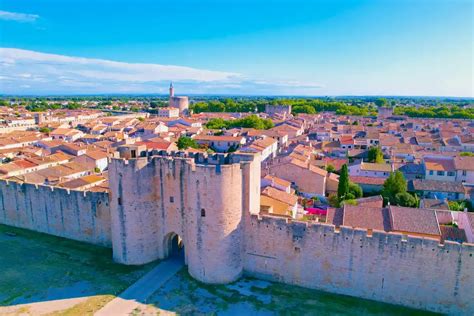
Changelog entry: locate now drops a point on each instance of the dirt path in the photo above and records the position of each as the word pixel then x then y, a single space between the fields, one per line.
pixel 137 294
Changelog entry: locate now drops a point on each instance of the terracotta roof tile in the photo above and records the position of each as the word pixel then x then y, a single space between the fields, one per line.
pixel 414 220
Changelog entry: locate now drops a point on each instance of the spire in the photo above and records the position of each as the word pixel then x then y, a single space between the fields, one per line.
pixel 171 89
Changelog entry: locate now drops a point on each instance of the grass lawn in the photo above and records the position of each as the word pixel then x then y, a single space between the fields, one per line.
pixel 37 267
pixel 184 295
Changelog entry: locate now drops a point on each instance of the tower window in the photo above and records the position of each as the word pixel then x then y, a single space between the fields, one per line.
pixel 171 199
pixel 203 212
pixel 119 200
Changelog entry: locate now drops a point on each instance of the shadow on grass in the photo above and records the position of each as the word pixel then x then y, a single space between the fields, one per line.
pixel 38 267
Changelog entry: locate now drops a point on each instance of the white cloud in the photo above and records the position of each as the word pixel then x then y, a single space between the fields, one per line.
pixel 52 73
pixel 19 17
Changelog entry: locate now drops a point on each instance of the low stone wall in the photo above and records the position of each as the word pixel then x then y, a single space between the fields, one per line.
pixel 78 215
pixel 387 267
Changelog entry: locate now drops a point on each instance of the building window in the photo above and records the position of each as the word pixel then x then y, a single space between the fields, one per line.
pixel 203 212
pixel 431 172
pixel 464 172
pixel 450 173
pixel 119 200
pixel 440 173
pixel 171 199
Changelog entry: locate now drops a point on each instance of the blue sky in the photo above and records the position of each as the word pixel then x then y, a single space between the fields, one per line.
pixel 251 47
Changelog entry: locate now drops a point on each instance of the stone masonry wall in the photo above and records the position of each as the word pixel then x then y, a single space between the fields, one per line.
pixel 415 272
pixel 78 215
pixel 154 197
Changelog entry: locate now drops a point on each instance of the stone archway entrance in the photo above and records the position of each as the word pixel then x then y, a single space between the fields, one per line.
pixel 173 246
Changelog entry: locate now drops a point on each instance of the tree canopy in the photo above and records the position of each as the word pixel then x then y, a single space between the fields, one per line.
pixel 251 121
pixel 186 142
pixel 376 155
pixel 380 102
pixel 343 186
pixel 440 111
pixel 395 191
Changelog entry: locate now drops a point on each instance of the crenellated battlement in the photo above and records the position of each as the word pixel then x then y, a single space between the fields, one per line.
pixel 216 164
pixel 212 202
pixel 391 267
pixel 51 188
pixel 198 158
pixel 79 215
pixel 200 197
pixel 307 230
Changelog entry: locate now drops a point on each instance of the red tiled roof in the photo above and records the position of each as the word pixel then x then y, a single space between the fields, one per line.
pixel 367 180
pixel 366 217
pixel 414 220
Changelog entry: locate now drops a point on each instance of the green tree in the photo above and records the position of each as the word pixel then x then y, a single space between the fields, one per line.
pixel 303 109
pixel 45 130
pixel 466 154
pixel 217 123
pixel 405 199
pixel 380 102
pixel 456 206
pixel 349 202
pixel 333 200
pixel 330 168
pixel 186 142
pixel 355 190
pixel 73 106
pixel 376 155
pixel 343 186
pixel 394 184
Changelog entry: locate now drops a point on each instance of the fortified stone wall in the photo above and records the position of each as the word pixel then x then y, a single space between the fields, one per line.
pixel 78 215
pixel 200 199
pixel 388 267
pixel 213 204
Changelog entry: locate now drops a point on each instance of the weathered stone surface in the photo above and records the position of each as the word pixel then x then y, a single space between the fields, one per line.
pixel 156 198
pixel 417 272
pixel 214 208
pixel 83 216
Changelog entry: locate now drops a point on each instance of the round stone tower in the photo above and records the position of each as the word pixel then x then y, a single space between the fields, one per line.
pixel 214 223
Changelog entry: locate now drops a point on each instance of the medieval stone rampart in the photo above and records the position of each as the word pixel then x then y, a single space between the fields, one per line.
pixel 212 203
pixel 387 267
pixel 78 215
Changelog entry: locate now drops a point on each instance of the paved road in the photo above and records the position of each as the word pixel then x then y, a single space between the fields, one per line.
pixel 140 291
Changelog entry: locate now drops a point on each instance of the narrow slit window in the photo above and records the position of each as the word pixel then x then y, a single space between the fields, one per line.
pixel 119 200
pixel 203 212
pixel 171 199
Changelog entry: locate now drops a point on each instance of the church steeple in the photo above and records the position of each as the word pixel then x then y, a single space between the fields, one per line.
pixel 171 90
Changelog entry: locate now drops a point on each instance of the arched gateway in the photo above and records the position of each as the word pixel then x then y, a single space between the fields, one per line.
pixel 173 246
pixel 158 200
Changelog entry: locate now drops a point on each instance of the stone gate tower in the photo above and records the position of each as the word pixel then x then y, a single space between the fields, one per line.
pixel 202 199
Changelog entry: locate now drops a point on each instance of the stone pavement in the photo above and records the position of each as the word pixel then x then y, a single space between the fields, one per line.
pixel 137 294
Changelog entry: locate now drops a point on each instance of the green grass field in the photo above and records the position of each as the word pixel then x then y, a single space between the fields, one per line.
pixel 249 296
pixel 37 267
